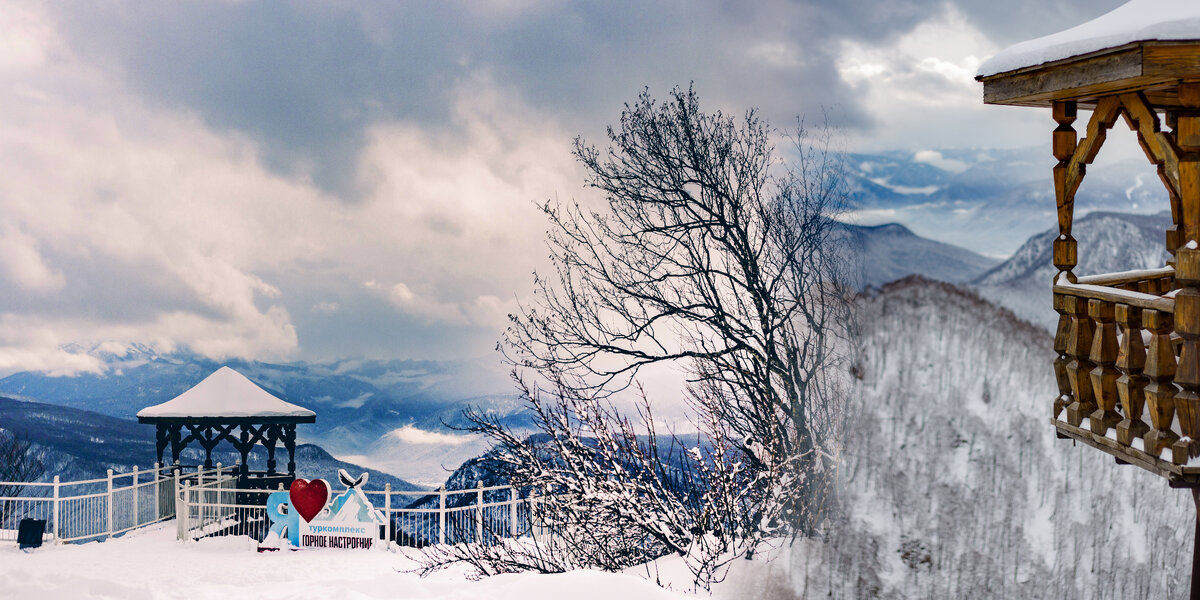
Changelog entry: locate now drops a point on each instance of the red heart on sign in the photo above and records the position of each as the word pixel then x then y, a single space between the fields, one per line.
pixel 309 497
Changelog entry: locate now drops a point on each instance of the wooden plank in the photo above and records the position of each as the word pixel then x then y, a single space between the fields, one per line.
pixel 1124 277
pixel 1128 454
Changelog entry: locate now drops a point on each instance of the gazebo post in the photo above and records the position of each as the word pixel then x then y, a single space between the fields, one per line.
pixel 272 436
pixel 176 447
pixel 244 448
pixel 289 442
pixel 208 444
pixel 162 435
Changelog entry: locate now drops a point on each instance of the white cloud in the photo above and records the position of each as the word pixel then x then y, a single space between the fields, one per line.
pixel 413 435
pixel 935 159
pixel 326 307
pixel 921 91
pixel 24 267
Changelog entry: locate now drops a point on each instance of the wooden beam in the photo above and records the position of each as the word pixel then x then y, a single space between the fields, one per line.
pixel 1098 73
pixel 1107 111
pixel 1162 151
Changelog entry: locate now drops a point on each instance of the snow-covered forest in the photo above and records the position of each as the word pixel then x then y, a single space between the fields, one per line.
pixel 955 486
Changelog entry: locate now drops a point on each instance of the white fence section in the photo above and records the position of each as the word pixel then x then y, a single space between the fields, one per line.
pixel 215 507
pixel 208 503
pixel 94 508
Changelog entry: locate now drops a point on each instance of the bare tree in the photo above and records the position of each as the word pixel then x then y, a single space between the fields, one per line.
pixel 20 462
pixel 613 491
pixel 714 254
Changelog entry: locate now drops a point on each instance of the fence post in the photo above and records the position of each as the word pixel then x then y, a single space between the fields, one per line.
pixel 442 514
pixel 57 533
pixel 110 504
pixel 512 512
pixel 157 494
pixel 137 496
pixel 479 500
pixel 179 514
pixel 387 512
pixel 533 532
pixel 187 511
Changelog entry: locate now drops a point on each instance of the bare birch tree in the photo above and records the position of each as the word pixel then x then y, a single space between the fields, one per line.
pixel 713 253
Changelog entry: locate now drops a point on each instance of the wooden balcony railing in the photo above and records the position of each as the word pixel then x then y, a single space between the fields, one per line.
pixel 1122 362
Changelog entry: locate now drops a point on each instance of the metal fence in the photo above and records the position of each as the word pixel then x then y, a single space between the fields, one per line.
pixel 215 507
pixel 207 502
pixel 95 508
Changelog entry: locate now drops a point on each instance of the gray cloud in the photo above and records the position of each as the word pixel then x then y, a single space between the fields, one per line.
pixel 136 205
pixel 306 78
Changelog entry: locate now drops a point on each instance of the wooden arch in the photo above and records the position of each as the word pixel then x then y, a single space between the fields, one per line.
pixel 1160 148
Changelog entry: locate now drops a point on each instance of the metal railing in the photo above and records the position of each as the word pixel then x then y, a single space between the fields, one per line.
pixel 94 508
pixel 215 507
pixel 207 502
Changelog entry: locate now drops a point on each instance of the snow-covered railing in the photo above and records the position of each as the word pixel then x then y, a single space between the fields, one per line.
pixel 93 508
pixel 215 507
pixel 1128 348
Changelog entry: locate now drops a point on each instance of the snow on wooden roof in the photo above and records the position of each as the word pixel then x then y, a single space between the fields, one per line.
pixel 225 394
pixel 1134 21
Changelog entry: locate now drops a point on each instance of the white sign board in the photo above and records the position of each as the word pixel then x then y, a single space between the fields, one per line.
pixel 337 534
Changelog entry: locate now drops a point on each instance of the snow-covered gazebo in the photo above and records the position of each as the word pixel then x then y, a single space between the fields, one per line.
pixel 213 409
pixel 1127 344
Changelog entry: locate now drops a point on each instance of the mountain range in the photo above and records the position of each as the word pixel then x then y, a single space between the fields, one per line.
pixel 390 415
pixel 991 201
pixel 394 415
pixel 78 444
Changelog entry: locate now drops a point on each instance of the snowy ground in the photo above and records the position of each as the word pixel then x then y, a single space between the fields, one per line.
pixel 152 564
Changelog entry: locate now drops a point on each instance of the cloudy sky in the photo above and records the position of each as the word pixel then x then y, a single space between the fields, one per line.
pixel 308 180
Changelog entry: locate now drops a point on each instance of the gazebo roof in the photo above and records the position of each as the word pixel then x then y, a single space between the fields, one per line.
pixel 1141 45
pixel 227 395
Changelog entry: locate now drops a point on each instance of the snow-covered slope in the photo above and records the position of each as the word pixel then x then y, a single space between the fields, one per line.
pixel 955 485
pixel 151 564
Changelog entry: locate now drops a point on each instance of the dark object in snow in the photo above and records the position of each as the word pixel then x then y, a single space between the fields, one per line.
pixel 29 533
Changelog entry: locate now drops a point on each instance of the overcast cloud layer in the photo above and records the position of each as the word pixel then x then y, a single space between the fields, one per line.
pixel 306 180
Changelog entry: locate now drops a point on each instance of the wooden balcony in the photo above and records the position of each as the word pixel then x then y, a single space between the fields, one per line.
pixel 1126 377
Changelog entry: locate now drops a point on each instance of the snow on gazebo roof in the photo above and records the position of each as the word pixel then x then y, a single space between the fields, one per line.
pixel 226 394
pixel 1134 21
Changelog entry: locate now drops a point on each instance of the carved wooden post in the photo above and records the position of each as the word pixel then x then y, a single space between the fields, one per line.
pixel 1061 337
pixel 1187 137
pixel 1187 377
pixel 1079 348
pixel 1104 375
pixel 1131 384
pixel 1160 392
pixel 1065 247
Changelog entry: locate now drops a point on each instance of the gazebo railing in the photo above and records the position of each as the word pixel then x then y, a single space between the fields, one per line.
pixel 1124 368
